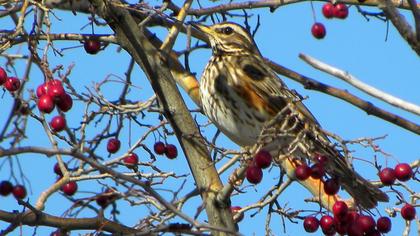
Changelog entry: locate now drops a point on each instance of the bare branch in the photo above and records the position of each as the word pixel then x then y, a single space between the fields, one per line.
pixel 347 77
pixel 95 223
pixel 173 33
pixel 273 4
pixel 368 107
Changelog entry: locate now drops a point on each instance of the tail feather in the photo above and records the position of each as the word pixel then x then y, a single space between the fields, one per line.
pixel 363 191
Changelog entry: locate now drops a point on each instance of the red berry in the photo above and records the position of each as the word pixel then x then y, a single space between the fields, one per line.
pixel 366 223
pixel 55 89
pixel 318 30
pixel 3 76
pixel 19 191
pixel 65 103
pixel 311 224
pixel 340 210
pixel 354 230
pixel 302 171
pixel 321 158
pixel 41 90
pixel 352 216
pixel 327 224
pixel 235 210
pixel 58 123
pixel 340 11
pixel 254 174
pixel 170 151
pixel 317 171
pixel 403 172
pixel 46 104
pixel 113 145
pixel 341 226
pixel 69 188
pixel 102 201
pixel 263 159
pixel 131 159
pixel 92 46
pixel 12 84
pixel 408 212
pixel 159 148
pixel 57 169
pixel 383 224
pixel 331 186
pixel 387 176
pixel 5 186
pixel 53 82
pixel 327 10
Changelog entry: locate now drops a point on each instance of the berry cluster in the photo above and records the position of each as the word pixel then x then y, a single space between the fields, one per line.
pixel 317 171
pixel 339 10
pixel 402 172
pixel 329 10
pixel 11 84
pixel 345 221
pixel 132 159
pixel 51 94
pixel 18 191
pixel 262 160
pixel 169 150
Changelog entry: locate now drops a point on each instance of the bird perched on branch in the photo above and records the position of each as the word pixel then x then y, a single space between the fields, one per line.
pixel 246 100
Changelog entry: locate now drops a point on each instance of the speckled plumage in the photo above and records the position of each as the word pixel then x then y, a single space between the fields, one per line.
pixel 240 94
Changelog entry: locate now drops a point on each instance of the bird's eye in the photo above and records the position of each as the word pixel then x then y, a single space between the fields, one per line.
pixel 227 30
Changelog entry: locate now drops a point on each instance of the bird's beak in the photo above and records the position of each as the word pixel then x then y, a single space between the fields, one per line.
pixel 202 28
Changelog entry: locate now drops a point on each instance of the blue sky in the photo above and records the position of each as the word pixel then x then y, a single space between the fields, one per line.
pixel 354 44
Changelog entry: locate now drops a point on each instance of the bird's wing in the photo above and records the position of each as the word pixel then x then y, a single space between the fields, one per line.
pixel 263 84
pixel 267 89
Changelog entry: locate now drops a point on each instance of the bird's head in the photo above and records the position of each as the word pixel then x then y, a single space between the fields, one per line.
pixel 229 38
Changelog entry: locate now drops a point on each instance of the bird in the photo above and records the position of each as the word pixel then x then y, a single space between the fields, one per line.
pixel 250 104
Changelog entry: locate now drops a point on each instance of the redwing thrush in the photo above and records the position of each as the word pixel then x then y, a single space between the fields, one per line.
pixel 246 100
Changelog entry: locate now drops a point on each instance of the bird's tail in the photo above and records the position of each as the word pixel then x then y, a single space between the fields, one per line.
pixel 364 192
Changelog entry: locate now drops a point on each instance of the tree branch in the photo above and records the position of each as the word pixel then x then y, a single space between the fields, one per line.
pixel 273 4
pixel 343 75
pixel 154 64
pixel 368 107
pixel 37 219
pixel 91 160
pixel 415 9
pixel 400 23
